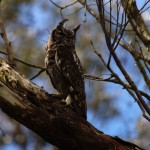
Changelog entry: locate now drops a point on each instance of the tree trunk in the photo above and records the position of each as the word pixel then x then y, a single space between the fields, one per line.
pixel 49 117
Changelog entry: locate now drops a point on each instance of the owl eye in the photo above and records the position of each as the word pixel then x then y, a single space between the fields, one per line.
pixel 69 34
pixel 66 32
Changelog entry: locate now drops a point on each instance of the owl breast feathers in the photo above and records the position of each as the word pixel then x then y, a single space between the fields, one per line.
pixel 64 68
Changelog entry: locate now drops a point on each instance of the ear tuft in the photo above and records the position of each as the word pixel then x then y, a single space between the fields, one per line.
pixel 60 25
pixel 76 28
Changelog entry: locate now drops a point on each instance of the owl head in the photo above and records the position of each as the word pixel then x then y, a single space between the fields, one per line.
pixel 63 36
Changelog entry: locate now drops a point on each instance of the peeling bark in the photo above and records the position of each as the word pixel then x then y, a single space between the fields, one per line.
pixel 46 115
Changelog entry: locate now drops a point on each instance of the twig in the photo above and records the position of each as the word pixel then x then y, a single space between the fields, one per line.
pixel 125 46
pixel 110 79
pixel 141 68
pixel 74 12
pixel 42 70
pixel 7 44
pixel 89 9
pixel 63 6
pixel 117 80
pixel 130 81
pixel 23 62
pixel 144 60
pixel 56 5
pixel 60 7
pixel 99 55
pixel 137 21
pixel 141 102
pixel 142 8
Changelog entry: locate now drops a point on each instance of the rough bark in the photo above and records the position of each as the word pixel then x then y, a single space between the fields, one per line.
pixel 49 117
pixel 137 22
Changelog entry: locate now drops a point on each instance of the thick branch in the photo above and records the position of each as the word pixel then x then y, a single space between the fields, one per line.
pixel 137 21
pixel 49 117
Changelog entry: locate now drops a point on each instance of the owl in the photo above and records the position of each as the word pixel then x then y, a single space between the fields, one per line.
pixel 64 67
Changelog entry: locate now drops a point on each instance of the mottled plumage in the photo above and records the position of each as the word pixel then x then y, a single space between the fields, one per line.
pixel 64 67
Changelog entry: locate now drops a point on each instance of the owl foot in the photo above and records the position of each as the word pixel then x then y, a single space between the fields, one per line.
pixel 67 101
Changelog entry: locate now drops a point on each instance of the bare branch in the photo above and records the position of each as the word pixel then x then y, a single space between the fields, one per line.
pixel 41 71
pixel 7 43
pixel 89 9
pixel 113 80
pixel 136 95
pixel 137 21
pixel 142 8
pixel 62 7
pixel 125 46
pixel 24 62
pixel 141 68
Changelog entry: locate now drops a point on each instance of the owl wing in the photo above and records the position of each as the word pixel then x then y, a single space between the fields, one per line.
pixel 71 68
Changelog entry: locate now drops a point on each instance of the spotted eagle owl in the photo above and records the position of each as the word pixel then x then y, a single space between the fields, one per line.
pixel 64 68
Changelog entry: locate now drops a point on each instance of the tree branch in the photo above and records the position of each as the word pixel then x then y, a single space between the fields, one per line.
pixel 24 62
pixel 7 43
pixel 137 21
pixel 136 95
pixel 125 46
pixel 112 80
pixel 49 117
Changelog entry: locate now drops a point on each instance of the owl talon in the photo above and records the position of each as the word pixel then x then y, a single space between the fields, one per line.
pixel 68 100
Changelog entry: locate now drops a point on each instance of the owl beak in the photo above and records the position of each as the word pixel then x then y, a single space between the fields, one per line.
pixel 60 25
pixel 76 28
